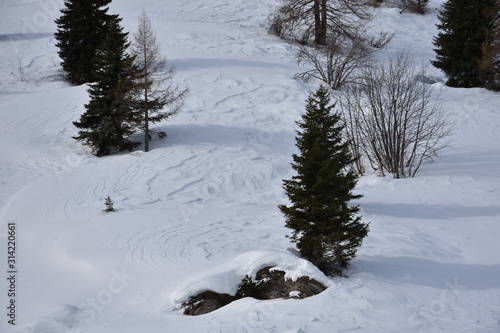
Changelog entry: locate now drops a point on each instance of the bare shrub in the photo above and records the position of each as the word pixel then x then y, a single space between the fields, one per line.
pixel 395 119
pixel 341 59
pixel 336 63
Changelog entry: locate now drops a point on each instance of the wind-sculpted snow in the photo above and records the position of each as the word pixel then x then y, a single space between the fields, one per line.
pixel 199 211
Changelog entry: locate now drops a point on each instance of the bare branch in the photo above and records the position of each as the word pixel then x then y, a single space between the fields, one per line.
pixel 395 118
pixel 337 63
pixel 154 87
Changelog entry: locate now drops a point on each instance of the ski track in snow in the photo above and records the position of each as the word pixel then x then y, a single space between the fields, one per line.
pixel 199 211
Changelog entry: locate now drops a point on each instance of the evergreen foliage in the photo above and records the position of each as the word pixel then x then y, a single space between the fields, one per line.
pixel 104 126
pixel 248 288
pixel 465 26
pixel 326 229
pixel 81 31
pixel 109 205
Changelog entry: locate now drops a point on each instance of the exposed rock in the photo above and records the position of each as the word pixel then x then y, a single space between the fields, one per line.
pixel 269 284
pixel 206 302
pixel 276 286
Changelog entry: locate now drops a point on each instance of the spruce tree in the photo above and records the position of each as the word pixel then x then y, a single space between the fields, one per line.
pixel 104 126
pixel 464 28
pixel 81 31
pixel 108 202
pixel 326 229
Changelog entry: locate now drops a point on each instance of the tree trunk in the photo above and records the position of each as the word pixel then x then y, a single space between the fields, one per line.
pixel 146 131
pixel 146 121
pixel 146 104
pixel 320 9
pixel 324 19
pixel 317 21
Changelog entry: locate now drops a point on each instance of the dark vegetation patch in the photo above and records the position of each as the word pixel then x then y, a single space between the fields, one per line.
pixel 268 284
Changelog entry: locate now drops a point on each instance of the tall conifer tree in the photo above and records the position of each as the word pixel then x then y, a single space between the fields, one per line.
pixel 326 229
pixel 464 27
pixel 81 31
pixel 104 126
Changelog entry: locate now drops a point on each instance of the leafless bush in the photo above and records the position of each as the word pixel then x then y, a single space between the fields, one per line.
pixel 352 120
pixel 380 40
pixel 340 60
pixel 394 119
pixel 336 63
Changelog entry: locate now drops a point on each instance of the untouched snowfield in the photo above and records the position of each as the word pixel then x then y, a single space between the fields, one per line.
pixel 200 210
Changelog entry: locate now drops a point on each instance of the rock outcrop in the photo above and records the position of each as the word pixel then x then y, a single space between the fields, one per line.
pixel 269 284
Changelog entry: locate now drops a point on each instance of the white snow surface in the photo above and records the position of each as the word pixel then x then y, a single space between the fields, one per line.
pixel 200 210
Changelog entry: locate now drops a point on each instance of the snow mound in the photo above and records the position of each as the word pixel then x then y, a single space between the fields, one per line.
pixel 226 277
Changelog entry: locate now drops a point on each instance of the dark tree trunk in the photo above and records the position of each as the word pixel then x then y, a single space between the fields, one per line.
pixel 320 10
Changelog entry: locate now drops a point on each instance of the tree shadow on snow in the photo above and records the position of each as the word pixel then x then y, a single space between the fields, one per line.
pixel 223 136
pixel 202 63
pixel 23 37
pixel 428 211
pixel 424 272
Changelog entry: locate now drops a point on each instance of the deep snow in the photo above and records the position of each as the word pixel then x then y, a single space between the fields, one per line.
pixel 200 210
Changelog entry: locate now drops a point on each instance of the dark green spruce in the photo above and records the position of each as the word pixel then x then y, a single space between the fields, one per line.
pixel 326 229
pixel 81 31
pixel 464 28
pixel 105 125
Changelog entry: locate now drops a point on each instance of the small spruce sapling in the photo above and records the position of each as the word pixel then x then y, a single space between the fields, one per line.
pixel 109 205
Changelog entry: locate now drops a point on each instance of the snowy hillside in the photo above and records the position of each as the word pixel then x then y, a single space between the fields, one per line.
pixel 200 210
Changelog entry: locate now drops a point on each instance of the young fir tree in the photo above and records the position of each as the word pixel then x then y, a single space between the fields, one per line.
pixel 109 205
pixel 464 28
pixel 104 126
pixel 81 31
pixel 326 229
pixel 156 97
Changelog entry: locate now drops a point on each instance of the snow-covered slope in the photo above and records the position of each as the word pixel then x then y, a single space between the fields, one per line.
pixel 200 210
